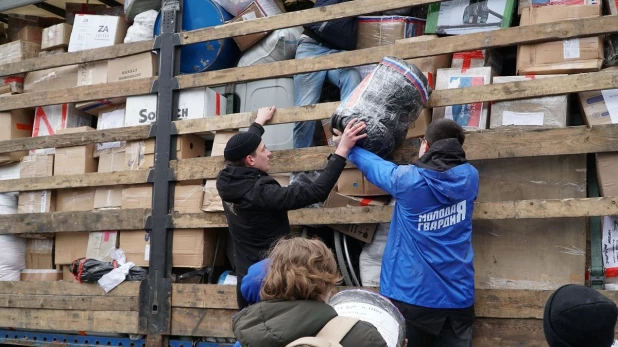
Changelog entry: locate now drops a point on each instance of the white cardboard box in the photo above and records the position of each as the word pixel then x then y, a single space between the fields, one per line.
pixel 91 31
pixel 201 103
pixel 140 110
pixel 49 119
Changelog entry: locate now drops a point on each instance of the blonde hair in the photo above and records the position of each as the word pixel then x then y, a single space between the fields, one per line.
pixel 300 269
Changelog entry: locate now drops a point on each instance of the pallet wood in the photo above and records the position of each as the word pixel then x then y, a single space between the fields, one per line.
pixel 491 332
pixel 499 38
pixel 64 59
pixel 34 223
pixel 200 322
pixel 75 181
pixel 70 303
pixel 118 322
pixel 129 289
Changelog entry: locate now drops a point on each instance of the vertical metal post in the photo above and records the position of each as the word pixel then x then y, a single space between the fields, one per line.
pixel 155 291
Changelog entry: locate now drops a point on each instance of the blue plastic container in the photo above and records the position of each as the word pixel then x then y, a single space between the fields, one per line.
pixel 204 56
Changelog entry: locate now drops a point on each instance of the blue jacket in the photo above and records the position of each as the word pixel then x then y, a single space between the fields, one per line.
pixel 252 282
pixel 428 259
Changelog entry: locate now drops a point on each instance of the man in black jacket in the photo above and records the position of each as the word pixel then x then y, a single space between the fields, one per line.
pixel 255 204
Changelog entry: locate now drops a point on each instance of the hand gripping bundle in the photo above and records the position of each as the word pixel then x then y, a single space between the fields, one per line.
pixel 388 100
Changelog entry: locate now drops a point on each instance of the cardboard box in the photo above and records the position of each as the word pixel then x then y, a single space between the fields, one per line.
pixel 109 197
pixel 112 118
pixel 67 276
pixel 137 196
pixel 40 275
pixel 51 79
pixel 36 166
pixel 140 110
pixel 470 116
pixel 15 124
pixel 39 201
pixel 12 84
pixel 612 6
pixel 200 103
pixel 538 3
pixel 136 66
pixel 352 182
pixel 549 111
pixel 252 11
pixel 192 248
pixel 75 199
pixel 211 200
pixel 49 119
pixel 30 33
pixel 56 36
pixel 363 232
pixel 594 109
pixel 17 22
pixel 566 56
pixel 73 9
pixel 39 254
pixel 100 244
pixel 374 31
pixel 140 154
pixel 92 31
pixel 428 64
pixel 17 51
pixel 10 171
pixel 70 247
pixel 75 160
pixel 188 198
pixel 480 58
pixel 418 128
pixel 459 17
pixel 91 74
pixel 54 51
pixel 607 166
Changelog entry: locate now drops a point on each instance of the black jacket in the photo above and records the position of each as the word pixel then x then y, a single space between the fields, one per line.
pixel 256 206
pixel 335 34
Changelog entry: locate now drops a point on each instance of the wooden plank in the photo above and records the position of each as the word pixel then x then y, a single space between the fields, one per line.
pixel 84 93
pixel 75 181
pixel 405 50
pixel 61 302
pixel 292 19
pixel 35 223
pixel 204 296
pixel 491 332
pixel 81 57
pixel 90 321
pixel 76 139
pixel 130 289
pixel 201 322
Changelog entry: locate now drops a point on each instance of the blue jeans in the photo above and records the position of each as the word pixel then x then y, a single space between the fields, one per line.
pixel 308 86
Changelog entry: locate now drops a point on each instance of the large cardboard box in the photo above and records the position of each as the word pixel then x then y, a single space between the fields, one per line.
pixel 67 276
pixel 200 103
pixel 17 22
pixel 480 58
pixel 136 66
pixel 549 111
pixel 459 17
pixel 30 33
pixel 75 160
pixel 428 64
pixel 49 119
pixel 188 198
pixel 92 31
pixel 192 248
pixel 374 31
pixel 140 154
pixel 566 56
pixel 75 199
pixel 212 201
pixel 74 9
pixel 253 11
pixel 15 124
pixel 109 197
pixel 352 182
pixel 52 79
pixel 95 73
pixel 111 118
pixel 470 116
pixel 36 201
pixel 418 128
pixel 40 275
pixel 601 106
pixel 363 232
pixel 18 51
pixel 70 247
pixel 137 196
pixel 39 254
pixel 100 244
pixel 539 3
pixel 140 110
pixel 56 36
pixel 607 167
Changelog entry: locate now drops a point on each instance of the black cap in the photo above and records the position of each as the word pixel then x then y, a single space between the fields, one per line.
pixel 579 316
pixel 241 145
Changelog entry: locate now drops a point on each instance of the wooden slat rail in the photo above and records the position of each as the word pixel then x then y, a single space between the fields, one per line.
pixel 408 50
pixel 75 181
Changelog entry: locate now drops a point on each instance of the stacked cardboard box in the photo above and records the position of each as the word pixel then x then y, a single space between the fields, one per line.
pixel 257 9
pixel 93 31
pixel 57 36
pixel 363 232
pixel 15 124
pixel 36 201
pixel 212 200
pixel 49 119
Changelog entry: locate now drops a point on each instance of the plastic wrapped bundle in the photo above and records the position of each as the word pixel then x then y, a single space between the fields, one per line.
pixel 90 270
pixel 12 257
pixel 143 27
pixel 372 308
pixel 388 101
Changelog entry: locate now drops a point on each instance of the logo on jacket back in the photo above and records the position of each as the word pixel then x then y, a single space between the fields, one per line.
pixel 442 218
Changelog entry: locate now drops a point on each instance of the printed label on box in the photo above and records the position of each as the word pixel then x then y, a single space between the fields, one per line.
pixel 571 48
pixel 522 118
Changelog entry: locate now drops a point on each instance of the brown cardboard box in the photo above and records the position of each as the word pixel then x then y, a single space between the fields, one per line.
pixel 193 248
pixel 594 108
pixel 30 33
pixel 18 50
pixel 479 58
pixel 375 31
pixel 56 36
pixel 140 154
pixel 137 196
pixel 75 160
pixel 607 167
pixel 15 124
pixel 39 254
pixel 70 246
pixel 352 182
pixel 12 84
pixel 73 9
pixel 40 275
pixel 429 64
pixel 100 243
pixel 137 66
pixel 252 11
pixel 188 198
pixel 92 73
pixel 363 232
pixel 51 79
pixel 418 128
pixel 36 201
pixel 109 197
pixel 567 56
pixel 37 166
pixel 55 51
pixel 75 199
pixel 17 22
pixel 211 200
pixel 67 276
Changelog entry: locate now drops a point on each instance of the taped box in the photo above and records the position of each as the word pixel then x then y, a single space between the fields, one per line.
pixel 375 31
pixel 188 198
pixel 100 244
pixel 18 51
pixel 601 106
pixel 75 160
pixel 352 182
pixel 140 110
pixel 49 119
pixel 140 154
pixel 111 118
pixel 566 56
pixel 253 11
pixel 39 254
pixel 12 84
pixel 549 111
pixel 70 247
pixel 92 31
pixel 479 58
pixel 539 3
pixel 29 33
pixel 36 201
pixel 57 36
pixel 459 17
pixel 15 124
pixel 109 197
pixel 143 65
pixel 75 199
pixel 363 232
pixel 91 74
pixel 51 79
pixel 40 275
pixel 200 103
pixel 469 116
pixel 607 166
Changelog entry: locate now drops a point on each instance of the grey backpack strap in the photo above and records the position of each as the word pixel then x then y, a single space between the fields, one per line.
pixel 331 334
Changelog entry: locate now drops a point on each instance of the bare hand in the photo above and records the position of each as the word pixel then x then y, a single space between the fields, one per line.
pixel 346 141
pixel 264 114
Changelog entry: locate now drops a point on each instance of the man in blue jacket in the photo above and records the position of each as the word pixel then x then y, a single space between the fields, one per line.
pixel 427 268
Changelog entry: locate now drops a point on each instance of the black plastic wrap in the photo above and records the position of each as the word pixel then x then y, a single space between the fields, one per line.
pixel 388 101
pixel 90 270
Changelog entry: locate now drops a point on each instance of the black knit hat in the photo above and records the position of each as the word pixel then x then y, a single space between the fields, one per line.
pixel 579 316
pixel 241 145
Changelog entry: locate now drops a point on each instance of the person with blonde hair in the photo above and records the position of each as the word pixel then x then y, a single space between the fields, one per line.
pixel 301 278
